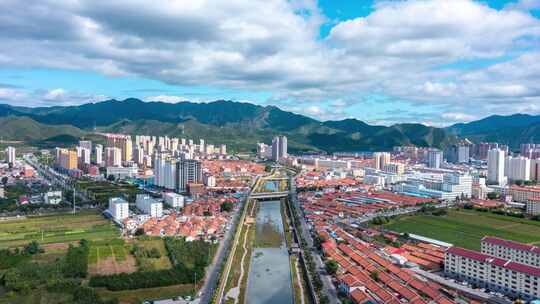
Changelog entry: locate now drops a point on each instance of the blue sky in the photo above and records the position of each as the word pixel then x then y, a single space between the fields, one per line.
pixel 380 61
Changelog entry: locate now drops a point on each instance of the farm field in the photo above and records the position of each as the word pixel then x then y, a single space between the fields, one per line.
pixel 59 228
pixel 110 257
pixel 102 191
pixel 162 262
pixel 139 295
pixel 465 228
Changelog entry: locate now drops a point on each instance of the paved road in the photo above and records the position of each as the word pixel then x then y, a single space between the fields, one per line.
pixel 54 177
pixel 228 265
pixel 475 293
pixel 212 273
pixel 328 288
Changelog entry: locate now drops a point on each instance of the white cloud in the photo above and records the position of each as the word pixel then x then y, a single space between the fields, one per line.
pixel 457 117
pixel 274 46
pixel 166 98
pixel 56 95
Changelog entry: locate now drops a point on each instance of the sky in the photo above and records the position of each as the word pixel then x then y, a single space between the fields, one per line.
pixel 435 62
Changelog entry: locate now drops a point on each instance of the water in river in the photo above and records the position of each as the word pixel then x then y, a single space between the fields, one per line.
pixel 269 278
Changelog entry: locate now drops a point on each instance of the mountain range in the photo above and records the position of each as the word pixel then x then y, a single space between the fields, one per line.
pixel 241 125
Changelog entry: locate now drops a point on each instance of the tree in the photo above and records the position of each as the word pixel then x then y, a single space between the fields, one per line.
pixel 323 299
pixel 226 206
pixel 32 248
pixel 493 195
pixel 139 232
pixel 331 266
pixel 374 275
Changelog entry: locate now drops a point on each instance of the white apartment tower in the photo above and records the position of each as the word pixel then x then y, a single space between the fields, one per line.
pixel 435 157
pixel 99 154
pixel 279 147
pixel 118 208
pixel 148 205
pixel 380 160
pixel 518 168
pixel 496 167
pixel 113 157
pixel 10 155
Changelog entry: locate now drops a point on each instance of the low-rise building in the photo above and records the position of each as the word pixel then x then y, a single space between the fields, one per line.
pixel 523 194
pixel 510 250
pixel 148 205
pixel 52 197
pixel 123 172
pixel 173 199
pixel 533 207
pixel 496 274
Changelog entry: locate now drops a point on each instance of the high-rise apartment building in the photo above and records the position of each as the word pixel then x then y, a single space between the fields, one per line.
pixel 518 168
pixel 535 169
pixel 85 144
pixel 113 157
pixel 188 171
pixel 10 155
pixel 223 150
pixel 138 155
pixel 99 154
pixel 169 174
pixel 435 157
pixel 380 160
pixel 122 142
pixel 496 162
pixel 279 147
pixel 67 159
pixel 84 155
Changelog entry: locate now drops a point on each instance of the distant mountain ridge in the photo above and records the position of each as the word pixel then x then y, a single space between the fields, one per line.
pixel 511 130
pixel 239 125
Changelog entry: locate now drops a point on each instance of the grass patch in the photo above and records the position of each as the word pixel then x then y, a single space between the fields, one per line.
pixel 465 228
pixel 247 234
pixel 140 295
pixel 37 296
pixel 59 228
pixel 154 263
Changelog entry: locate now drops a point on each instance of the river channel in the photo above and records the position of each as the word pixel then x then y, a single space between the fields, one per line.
pixel 269 278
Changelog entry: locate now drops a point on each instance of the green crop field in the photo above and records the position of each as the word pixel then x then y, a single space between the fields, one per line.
pixel 465 228
pixel 60 228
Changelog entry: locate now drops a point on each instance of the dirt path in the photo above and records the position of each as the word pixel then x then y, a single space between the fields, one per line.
pixel 299 280
pixel 115 265
pixel 234 292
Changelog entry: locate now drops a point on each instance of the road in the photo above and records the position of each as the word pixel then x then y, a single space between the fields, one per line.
pixel 473 293
pixel 228 265
pixel 54 177
pixel 212 273
pixel 328 287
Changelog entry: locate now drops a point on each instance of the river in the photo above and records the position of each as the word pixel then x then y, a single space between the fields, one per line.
pixel 269 278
